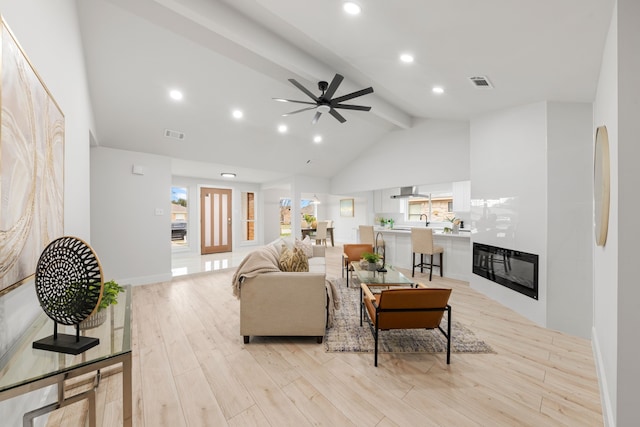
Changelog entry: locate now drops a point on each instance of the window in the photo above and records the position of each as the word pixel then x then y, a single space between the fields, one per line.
pixel 248 216
pixel 417 207
pixel 306 207
pixel 179 216
pixel 437 208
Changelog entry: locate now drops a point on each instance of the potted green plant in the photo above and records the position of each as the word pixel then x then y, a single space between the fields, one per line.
pixel 110 292
pixel 455 224
pixel 310 220
pixel 371 259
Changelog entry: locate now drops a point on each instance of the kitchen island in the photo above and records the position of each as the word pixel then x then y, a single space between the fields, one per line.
pixel 457 250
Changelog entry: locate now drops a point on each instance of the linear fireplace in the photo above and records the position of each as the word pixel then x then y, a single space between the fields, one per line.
pixel 514 269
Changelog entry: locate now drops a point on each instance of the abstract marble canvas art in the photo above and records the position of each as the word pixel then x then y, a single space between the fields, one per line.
pixel 31 166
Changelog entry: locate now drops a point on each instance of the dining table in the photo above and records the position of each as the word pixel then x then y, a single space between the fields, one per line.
pixel 308 231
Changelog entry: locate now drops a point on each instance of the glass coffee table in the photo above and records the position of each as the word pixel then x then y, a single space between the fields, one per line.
pixel 377 279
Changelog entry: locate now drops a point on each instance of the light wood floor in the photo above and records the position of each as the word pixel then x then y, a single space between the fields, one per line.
pixel 191 368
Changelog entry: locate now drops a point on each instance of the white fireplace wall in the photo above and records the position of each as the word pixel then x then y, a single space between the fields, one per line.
pixel 508 195
pixel 530 167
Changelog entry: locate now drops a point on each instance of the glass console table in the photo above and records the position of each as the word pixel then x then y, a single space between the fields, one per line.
pixel 24 369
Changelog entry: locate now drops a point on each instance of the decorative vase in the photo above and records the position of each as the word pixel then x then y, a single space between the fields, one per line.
pixel 372 266
pixel 314 224
pixel 94 320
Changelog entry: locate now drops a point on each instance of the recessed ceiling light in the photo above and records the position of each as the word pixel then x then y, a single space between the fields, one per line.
pixel 228 175
pixel 407 58
pixel 237 114
pixel 317 139
pixel 437 89
pixel 175 94
pixel 351 8
pixel 282 128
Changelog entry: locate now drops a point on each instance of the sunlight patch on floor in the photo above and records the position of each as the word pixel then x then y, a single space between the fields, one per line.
pixel 185 263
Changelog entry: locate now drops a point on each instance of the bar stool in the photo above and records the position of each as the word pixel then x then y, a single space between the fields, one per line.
pixel 366 234
pixel 422 243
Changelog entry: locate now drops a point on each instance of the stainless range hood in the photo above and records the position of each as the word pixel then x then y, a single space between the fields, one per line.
pixel 406 192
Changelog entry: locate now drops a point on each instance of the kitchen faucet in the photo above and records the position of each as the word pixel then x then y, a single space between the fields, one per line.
pixel 426 219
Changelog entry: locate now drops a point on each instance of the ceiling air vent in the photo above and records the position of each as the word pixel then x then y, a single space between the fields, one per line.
pixel 174 134
pixel 481 82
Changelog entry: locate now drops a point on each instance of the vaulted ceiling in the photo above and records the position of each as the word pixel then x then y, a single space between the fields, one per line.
pixel 239 54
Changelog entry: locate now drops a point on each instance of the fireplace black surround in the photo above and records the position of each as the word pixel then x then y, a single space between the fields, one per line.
pixel 514 269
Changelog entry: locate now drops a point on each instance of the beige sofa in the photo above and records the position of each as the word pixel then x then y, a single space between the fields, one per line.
pixel 277 303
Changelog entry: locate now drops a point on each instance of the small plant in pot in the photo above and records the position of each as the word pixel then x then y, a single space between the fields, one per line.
pixel 310 220
pixel 110 292
pixel 372 260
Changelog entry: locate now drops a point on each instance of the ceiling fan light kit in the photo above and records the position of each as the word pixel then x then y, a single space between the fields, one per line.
pixel 325 103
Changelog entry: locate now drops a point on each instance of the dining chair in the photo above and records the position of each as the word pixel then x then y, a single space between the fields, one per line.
pixel 320 236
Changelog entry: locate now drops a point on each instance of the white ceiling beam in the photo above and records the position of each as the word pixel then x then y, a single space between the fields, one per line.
pixel 228 32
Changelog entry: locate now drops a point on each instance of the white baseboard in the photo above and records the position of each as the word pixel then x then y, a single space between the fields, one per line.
pixel 605 398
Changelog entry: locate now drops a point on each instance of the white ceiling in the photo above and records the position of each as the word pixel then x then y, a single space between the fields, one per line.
pixel 239 54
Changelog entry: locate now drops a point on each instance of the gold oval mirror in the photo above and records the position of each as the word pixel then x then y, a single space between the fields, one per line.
pixel 601 185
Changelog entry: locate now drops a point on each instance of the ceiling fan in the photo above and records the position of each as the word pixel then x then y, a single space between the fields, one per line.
pixel 324 103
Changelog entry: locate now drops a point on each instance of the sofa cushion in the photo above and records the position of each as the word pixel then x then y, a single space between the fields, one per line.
pixel 294 260
pixel 282 242
pixel 317 265
pixel 305 245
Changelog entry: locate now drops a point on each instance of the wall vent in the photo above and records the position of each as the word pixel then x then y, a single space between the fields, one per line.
pixel 481 82
pixel 174 134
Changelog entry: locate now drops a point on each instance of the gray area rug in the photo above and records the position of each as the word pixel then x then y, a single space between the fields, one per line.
pixel 347 335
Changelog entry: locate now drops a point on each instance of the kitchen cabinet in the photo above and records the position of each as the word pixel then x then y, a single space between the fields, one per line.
pixel 383 203
pixel 462 196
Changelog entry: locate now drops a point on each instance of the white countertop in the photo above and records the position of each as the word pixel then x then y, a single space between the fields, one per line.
pixel 437 232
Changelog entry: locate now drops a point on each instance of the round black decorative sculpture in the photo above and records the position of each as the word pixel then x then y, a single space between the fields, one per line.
pixel 69 285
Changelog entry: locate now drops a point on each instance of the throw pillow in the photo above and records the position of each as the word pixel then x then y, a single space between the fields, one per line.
pixel 294 260
pixel 305 245
pixel 280 242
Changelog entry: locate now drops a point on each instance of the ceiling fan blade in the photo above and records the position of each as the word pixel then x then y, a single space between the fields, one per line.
pixel 298 111
pixel 316 117
pixel 337 115
pixel 293 100
pixel 351 95
pixel 333 86
pixel 304 89
pixel 353 107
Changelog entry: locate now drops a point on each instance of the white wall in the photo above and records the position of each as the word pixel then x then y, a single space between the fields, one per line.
pixel 605 258
pixel 616 291
pixel 570 218
pixel 346 227
pixel 132 241
pixel 48 32
pixel 508 195
pixel 410 157
pixel 628 410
